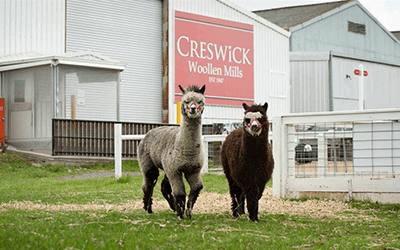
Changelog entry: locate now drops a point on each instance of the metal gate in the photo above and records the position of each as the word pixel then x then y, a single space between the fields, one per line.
pixel 343 155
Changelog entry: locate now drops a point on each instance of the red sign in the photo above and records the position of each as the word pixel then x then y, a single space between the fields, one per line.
pixel 357 72
pixel 2 124
pixel 216 53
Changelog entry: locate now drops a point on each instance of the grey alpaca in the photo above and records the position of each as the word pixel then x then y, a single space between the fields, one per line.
pixel 175 150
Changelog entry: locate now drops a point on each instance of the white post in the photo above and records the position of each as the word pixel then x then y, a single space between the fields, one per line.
pixel 361 89
pixel 322 156
pixel 278 187
pixel 118 150
pixel 204 169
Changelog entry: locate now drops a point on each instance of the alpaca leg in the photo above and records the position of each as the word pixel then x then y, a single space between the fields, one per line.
pixel 252 194
pixel 167 192
pixel 178 192
pixel 196 185
pixel 237 198
pixel 149 181
pixel 241 204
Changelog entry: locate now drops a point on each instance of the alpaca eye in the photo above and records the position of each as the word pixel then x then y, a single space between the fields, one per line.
pixel 200 102
pixel 247 120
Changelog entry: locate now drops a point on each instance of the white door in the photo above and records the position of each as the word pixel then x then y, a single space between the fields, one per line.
pixel 21 104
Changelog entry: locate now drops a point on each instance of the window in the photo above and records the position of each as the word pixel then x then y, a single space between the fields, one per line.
pixel 19 91
pixel 356 28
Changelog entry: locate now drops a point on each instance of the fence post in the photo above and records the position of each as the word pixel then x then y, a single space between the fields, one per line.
pixel 118 150
pixel 322 155
pixel 204 169
pixel 278 185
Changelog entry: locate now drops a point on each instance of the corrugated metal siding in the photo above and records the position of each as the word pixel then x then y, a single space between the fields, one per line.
pixel 271 59
pixel 309 82
pixel 27 26
pixel 381 86
pixel 130 32
pixel 331 34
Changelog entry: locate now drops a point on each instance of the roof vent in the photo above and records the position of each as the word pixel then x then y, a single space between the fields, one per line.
pixel 356 28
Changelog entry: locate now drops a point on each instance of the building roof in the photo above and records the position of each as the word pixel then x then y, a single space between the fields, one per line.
pixel 288 17
pixel 396 34
pixel 84 58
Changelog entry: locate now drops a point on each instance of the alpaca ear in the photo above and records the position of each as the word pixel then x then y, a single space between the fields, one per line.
pixel 245 106
pixel 203 89
pixel 265 106
pixel 183 91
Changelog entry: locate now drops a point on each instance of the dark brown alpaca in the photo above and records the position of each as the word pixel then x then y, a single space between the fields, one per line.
pixel 247 160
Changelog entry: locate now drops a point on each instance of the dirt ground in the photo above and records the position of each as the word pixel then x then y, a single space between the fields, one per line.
pixel 212 203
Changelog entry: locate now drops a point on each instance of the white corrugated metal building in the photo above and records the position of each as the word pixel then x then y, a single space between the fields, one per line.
pixel 139 34
pixel 328 42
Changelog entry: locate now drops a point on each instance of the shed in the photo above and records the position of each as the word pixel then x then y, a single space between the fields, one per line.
pixel 38 88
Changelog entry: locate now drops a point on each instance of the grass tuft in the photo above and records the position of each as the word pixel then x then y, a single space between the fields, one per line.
pixel 125 179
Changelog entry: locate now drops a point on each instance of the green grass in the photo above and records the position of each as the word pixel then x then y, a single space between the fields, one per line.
pixel 162 230
pixel 134 229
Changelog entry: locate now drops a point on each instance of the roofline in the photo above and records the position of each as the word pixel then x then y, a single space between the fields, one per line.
pixel 295 6
pixel 363 58
pixel 256 18
pixel 55 60
pixel 326 56
pixel 341 8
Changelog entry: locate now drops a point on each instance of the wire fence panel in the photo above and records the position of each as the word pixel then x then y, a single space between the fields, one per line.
pixel 350 154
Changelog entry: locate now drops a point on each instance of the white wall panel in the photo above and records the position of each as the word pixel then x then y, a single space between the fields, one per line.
pixel 381 86
pixel 27 25
pixel 309 81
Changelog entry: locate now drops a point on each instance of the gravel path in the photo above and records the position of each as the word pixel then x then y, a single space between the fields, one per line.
pixel 96 175
pixel 212 203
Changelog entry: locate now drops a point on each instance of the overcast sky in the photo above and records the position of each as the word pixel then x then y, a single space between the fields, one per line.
pixel 386 11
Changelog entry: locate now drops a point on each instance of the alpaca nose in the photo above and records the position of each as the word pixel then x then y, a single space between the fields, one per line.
pixel 255 126
pixel 193 108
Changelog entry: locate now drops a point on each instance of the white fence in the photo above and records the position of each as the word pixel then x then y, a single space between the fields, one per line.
pixel 118 137
pixel 353 155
